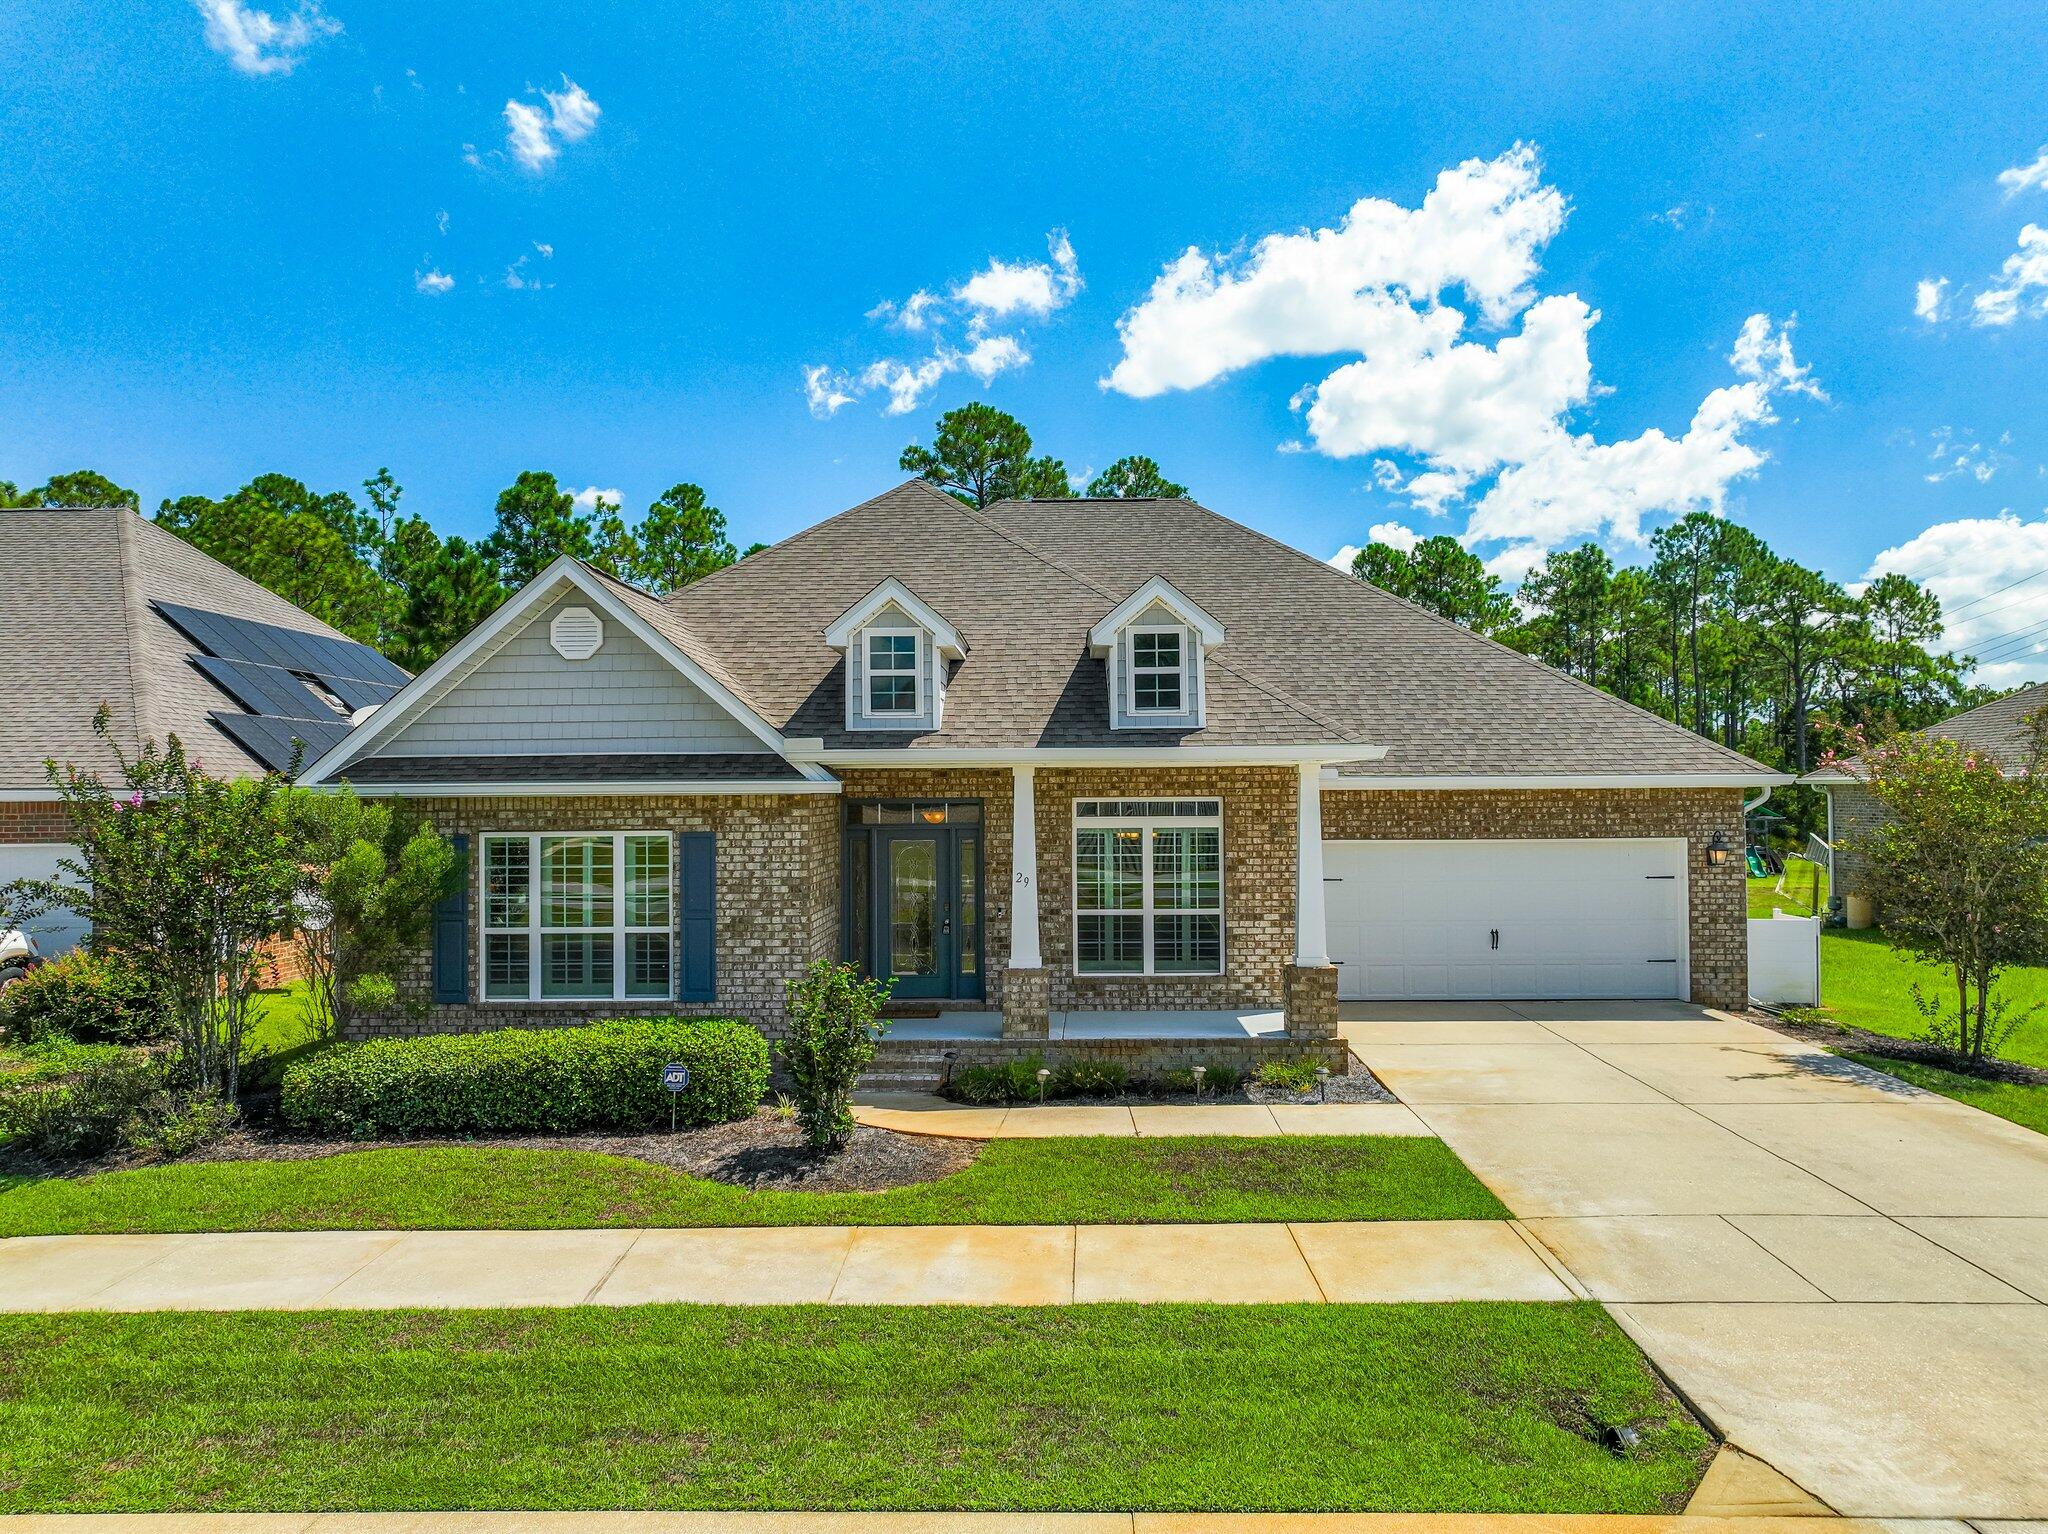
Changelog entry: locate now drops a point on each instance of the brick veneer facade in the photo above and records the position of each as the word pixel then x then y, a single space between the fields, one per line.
pixel 35 820
pixel 778 900
pixel 1717 902
pixel 1853 812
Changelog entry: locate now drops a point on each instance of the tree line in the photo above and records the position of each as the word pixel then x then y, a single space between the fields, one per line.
pixel 1717 632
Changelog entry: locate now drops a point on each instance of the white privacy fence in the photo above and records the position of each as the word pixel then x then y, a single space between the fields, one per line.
pixel 1784 960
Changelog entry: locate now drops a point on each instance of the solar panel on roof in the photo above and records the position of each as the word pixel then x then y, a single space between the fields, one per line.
pixel 357 694
pixel 267 644
pixel 264 689
pixel 270 741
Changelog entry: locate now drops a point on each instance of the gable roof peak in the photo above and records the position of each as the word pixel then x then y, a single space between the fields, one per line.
pixel 891 592
pixel 1102 638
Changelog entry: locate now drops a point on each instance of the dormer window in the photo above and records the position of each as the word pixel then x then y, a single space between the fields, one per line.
pixel 1158 672
pixel 897 649
pixel 1154 647
pixel 894 672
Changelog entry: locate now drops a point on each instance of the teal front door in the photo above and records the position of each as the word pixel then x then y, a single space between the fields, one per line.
pixel 924 924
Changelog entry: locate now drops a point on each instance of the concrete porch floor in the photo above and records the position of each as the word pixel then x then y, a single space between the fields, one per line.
pixel 1072 1026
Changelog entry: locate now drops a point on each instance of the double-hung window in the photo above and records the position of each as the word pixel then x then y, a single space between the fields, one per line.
pixel 1148 887
pixel 578 918
pixel 1158 671
pixel 895 683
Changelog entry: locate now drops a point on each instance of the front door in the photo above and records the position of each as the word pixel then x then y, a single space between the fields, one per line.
pixel 914 927
pixel 913 896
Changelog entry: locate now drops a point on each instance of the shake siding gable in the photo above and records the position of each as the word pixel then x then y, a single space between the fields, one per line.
pixel 525 699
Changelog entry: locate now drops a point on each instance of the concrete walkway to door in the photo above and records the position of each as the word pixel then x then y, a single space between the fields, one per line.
pixel 1848 1275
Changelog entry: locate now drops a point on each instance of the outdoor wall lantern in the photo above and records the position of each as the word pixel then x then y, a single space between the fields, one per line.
pixel 1719 849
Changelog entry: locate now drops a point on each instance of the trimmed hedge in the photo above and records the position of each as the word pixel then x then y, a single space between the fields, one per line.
pixel 529 1080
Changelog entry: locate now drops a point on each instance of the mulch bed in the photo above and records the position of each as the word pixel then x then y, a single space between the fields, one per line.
pixel 1840 1036
pixel 763 1152
pixel 1361 1086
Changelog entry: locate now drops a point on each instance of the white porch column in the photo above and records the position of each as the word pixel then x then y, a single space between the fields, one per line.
pixel 1024 877
pixel 1311 939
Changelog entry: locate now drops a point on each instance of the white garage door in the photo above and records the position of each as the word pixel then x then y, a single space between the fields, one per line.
pixel 1563 919
pixel 57 930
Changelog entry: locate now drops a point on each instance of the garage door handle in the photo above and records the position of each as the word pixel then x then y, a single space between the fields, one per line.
pixel 1494 939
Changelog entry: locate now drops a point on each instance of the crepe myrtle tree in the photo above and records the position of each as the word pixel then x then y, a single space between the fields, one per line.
pixel 834 1021
pixel 1958 868
pixel 371 876
pixel 186 877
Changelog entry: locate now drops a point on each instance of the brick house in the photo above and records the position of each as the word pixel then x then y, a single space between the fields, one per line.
pixel 100 606
pixel 1113 776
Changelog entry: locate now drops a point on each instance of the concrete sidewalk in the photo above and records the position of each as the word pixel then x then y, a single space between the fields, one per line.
pixel 919 1113
pixel 1844 1272
pixel 870 1265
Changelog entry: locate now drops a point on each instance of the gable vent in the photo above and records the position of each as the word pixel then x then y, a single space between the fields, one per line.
pixel 576 633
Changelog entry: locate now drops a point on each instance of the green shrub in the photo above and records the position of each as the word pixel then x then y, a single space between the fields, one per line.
pixel 529 1080
pixel 50 1058
pixel 77 995
pixel 1295 1075
pixel 979 1084
pixel 1088 1078
pixel 135 1100
pixel 834 1020
pixel 1215 1078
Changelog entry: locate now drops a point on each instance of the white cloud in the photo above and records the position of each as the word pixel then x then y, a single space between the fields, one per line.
pixel 431 281
pixel 535 138
pixel 1959 455
pixel 1975 565
pixel 526 135
pixel 1035 288
pixel 441 220
pixel 1010 293
pixel 1442 416
pixel 1371 283
pixel 547 251
pixel 2025 272
pixel 519 282
pixel 2021 178
pixel 1394 535
pixel 1930 300
pixel 590 495
pixel 256 42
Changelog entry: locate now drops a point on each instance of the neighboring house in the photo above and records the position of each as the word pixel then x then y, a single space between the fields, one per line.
pixel 1997 729
pixel 1122 771
pixel 101 606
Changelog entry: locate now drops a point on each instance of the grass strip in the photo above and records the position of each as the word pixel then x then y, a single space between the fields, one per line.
pixel 2023 1105
pixel 1191 1179
pixel 1478 1407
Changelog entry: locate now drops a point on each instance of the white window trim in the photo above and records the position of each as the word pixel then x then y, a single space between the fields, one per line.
pixel 1180 671
pixel 1147 824
pixel 533 931
pixel 917 673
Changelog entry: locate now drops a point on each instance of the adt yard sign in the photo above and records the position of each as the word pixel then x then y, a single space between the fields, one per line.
pixel 675 1077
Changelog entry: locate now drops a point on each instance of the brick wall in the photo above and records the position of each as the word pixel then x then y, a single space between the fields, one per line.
pixel 1853 811
pixel 1144 1060
pixel 34 821
pixel 778 900
pixel 1718 901
pixel 1258 886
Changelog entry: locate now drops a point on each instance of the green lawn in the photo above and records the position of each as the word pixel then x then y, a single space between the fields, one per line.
pixel 1866 983
pixel 1202 1179
pixel 1799 897
pixel 1482 1407
pixel 2024 1105
pixel 277 1022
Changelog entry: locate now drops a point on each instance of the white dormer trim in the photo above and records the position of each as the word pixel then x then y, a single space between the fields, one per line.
pixel 944 636
pixel 893 611
pixel 1102 639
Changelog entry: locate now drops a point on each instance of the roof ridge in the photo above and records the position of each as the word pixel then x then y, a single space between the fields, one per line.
pixel 1108 595
pixel 1486 639
pixel 132 605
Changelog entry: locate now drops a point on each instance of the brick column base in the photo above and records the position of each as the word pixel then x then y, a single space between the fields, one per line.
pixel 1311 1001
pixel 1026 1004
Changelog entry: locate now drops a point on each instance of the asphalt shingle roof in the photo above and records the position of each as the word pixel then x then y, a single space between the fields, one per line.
pixel 1311 655
pixel 1998 727
pixel 77 630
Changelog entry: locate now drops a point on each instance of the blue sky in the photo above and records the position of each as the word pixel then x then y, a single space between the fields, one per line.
pixel 214 263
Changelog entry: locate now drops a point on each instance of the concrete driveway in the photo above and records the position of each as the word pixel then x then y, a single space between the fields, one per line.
pixel 1848 1275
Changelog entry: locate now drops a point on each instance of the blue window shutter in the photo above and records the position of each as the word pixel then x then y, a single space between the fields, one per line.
pixel 698 859
pixel 451 933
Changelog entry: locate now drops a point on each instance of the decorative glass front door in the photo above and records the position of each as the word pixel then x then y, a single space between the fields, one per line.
pixel 914 898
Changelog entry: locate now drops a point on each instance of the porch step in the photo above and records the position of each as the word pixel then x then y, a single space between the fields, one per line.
pixel 908 1065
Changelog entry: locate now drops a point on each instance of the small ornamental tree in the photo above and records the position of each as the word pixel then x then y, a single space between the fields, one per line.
pixel 185 877
pixel 834 1021
pixel 372 875
pixel 1958 868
